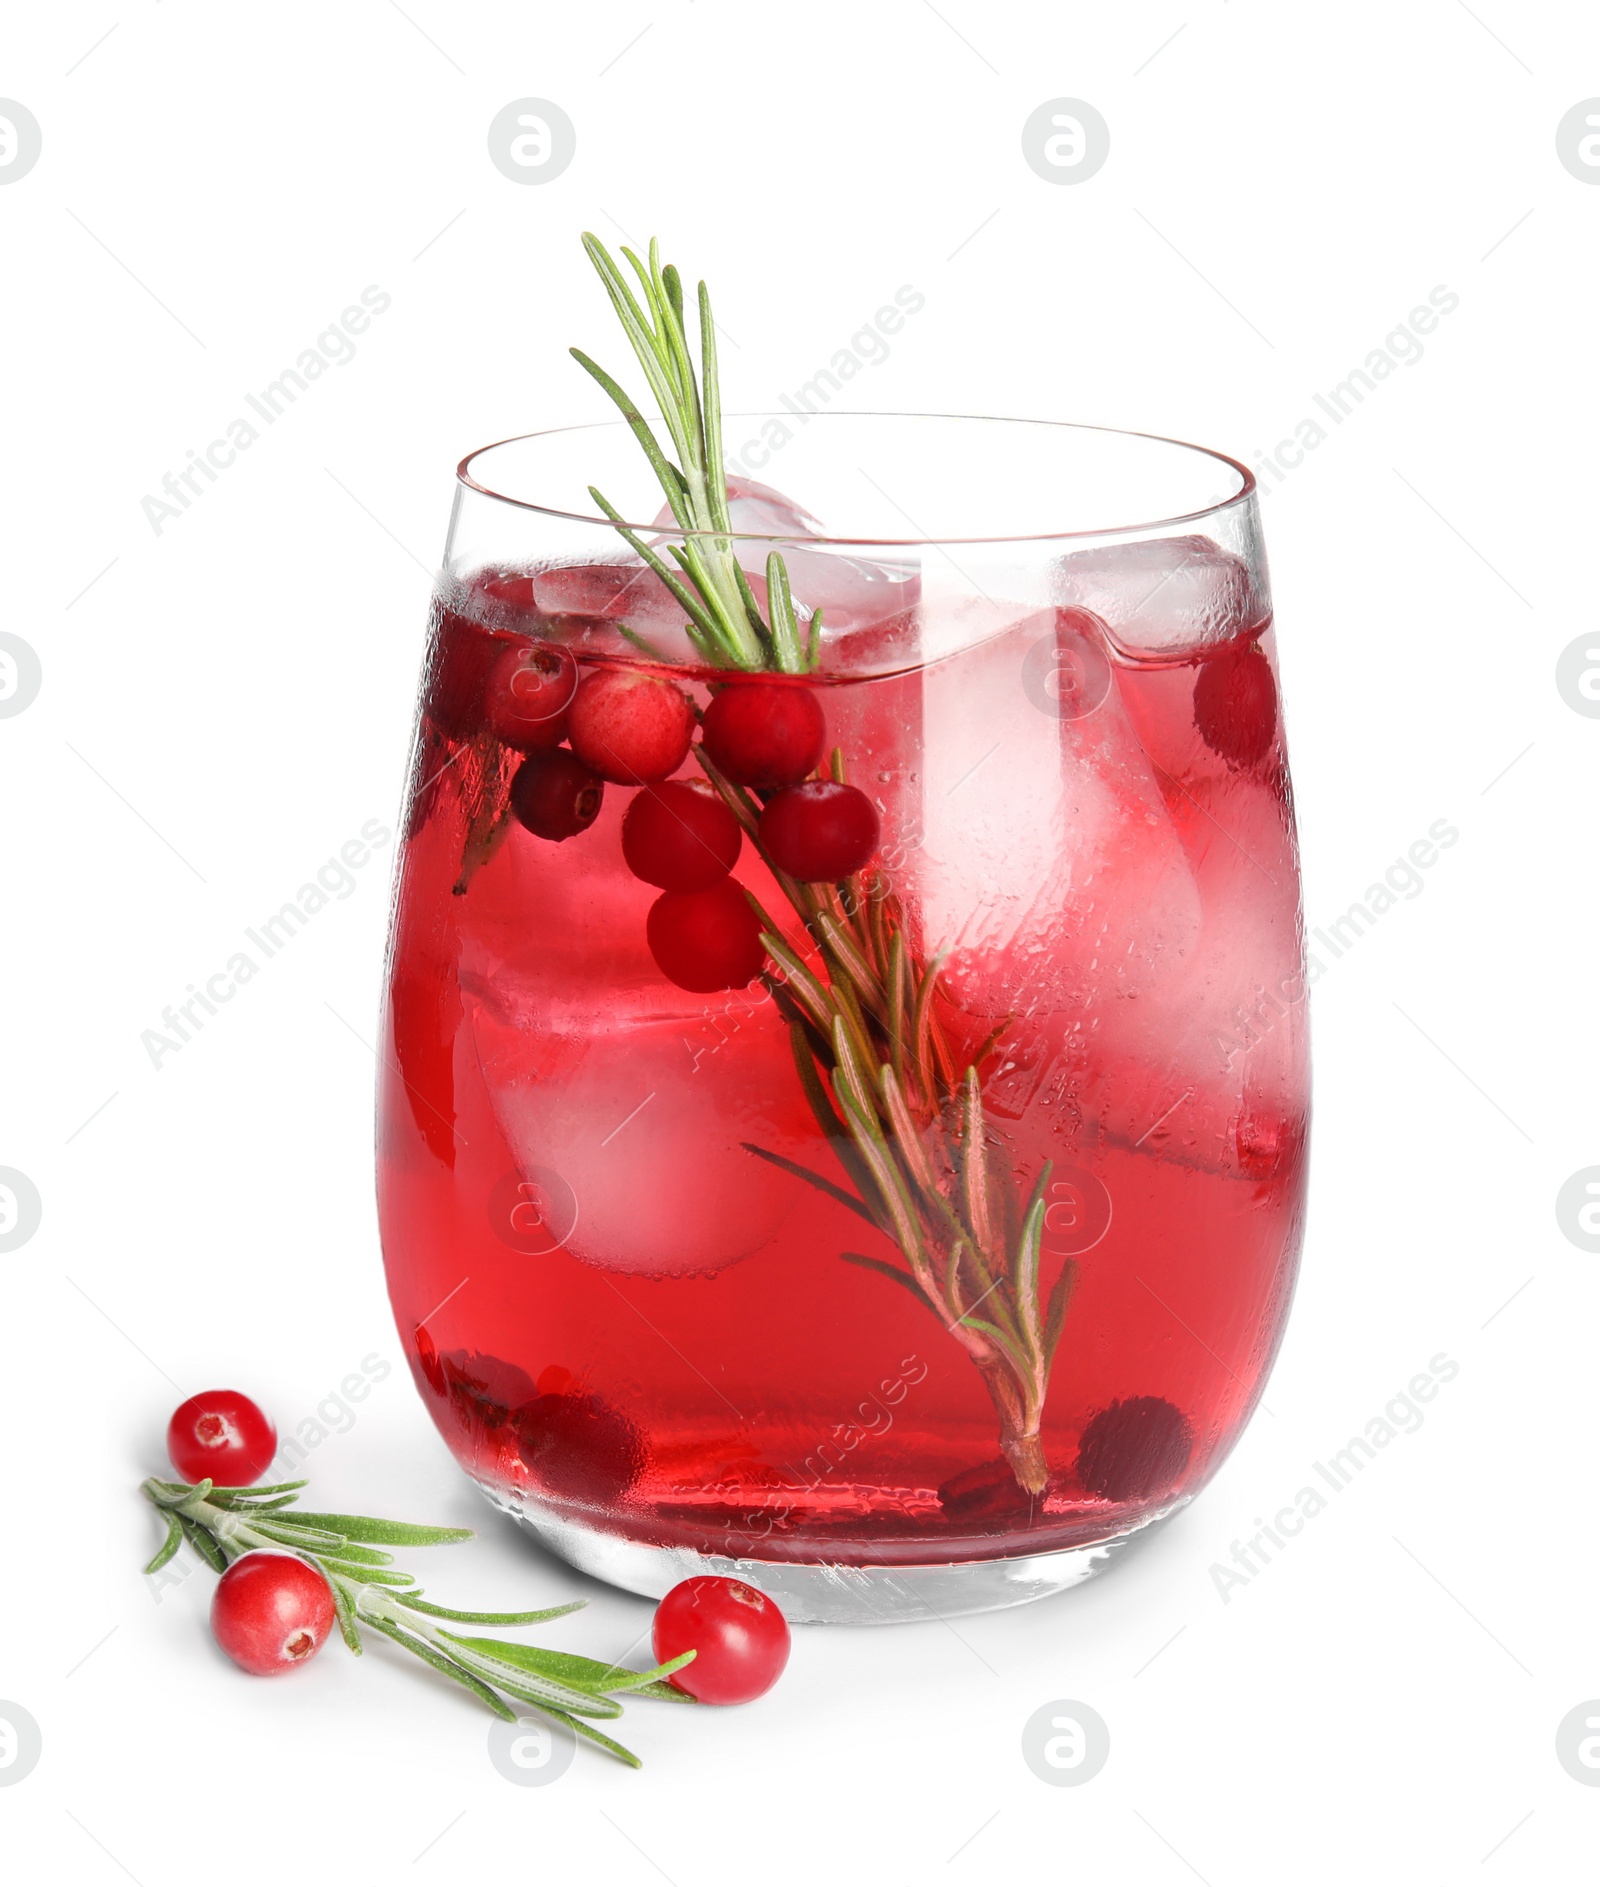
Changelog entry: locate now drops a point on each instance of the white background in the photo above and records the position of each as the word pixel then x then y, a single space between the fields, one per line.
pixel 224 704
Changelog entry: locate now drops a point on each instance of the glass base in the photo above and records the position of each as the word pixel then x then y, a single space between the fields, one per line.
pixel 824 1594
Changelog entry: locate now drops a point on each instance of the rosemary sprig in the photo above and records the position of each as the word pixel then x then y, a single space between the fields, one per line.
pixel 906 1125
pixel 224 1523
pixel 725 621
pixel 878 1074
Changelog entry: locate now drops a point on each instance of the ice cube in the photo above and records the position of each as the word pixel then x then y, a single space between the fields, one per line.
pixel 1219 1043
pixel 644 1116
pixel 853 592
pixel 762 511
pixel 625 591
pixel 1050 865
pixel 1162 595
pixel 584 605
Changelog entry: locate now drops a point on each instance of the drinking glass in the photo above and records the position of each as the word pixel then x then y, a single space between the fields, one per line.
pixel 944 1254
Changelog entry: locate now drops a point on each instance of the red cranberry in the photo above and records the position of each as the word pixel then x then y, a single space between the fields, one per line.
pixel 987 1495
pixel 1236 705
pixel 706 940
pixel 482 1390
pixel 680 836
pixel 764 734
pixel 1134 1450
pixel 555 795
pixel 528 692
pixel 820 829
pixel 221 1436
pixel 459 661
pixel 271 1612
pixel 739 1638
pixel 578 1447
pixel 629 727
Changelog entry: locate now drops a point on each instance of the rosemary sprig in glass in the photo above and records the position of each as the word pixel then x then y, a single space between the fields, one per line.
pixel 224 1523
pixel 726 625
pixel 905 1122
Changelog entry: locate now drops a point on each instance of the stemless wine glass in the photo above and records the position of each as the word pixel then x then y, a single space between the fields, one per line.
pixel 902 1226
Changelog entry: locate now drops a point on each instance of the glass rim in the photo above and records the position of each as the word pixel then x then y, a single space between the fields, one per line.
pixel 1244 495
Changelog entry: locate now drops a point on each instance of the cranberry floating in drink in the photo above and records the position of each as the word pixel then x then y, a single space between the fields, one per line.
pixel 527 694
pixel 844 1099
pixel 680 836
pixel 765 734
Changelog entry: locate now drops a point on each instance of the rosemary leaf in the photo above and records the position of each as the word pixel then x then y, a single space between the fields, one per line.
pixel 654 297
pixel 353 1569
pixel 897 1202
pixel 170 1545
pixel 752 609
pixel 652 1683
pixel 670 284
pixel 588 1731
pixel 277 1487
pixel 839 944
pixel 166 1493
pixel 1006 1344
pixel 799 981
pixel 665 1693
pixel 1025 1270
pixel 787 1007
pixel 629 312
pixel 1056 1310
pixel 849 1015
pixel 736 798
pixel 852 1082
pixel 896 990
pixel 668 298
pixel 780 607
pixel 414 1602
pixel 670 478
pixel 922 1024
pixel 349 1554
pixel 203 1544
pixel 456 1672
pixel 528 1686
pixel 908 1141
pixel 878 935
pixel 314 1539
pixel 385 1532
pixel 839 1136
pixel 811 1179
pixel 887 1270
pixel 711 390
pixel 975 1165
pixel 812 1053
pixel 344 1611
pixel 643 645
pixel 642 337
pixel 567 1667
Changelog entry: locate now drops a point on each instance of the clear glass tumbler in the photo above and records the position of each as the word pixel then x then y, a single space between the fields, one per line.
pixel 875 1163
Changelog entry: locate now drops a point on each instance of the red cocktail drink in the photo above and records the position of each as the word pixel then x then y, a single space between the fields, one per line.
pixel 661 1297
